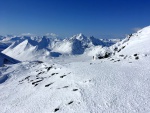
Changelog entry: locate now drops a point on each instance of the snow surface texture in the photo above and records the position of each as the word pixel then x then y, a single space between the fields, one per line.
pixel 78 84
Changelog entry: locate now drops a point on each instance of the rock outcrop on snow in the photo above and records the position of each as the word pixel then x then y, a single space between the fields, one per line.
pixel 136 43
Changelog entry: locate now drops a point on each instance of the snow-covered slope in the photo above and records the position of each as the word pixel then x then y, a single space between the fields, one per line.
pixel 136 43
pixel 78 44
pixel 4 59
pixel 47 42
pixel 71 46
pixel 44 43
pixel 133 46
pixel 26 51
pixel 91 41
pixel 10 40
pixel 78 84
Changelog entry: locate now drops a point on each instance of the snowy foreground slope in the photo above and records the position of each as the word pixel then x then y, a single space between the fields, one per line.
pixel 78 84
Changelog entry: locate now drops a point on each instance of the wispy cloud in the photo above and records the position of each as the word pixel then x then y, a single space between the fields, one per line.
pixel 52 34
pixel 136 29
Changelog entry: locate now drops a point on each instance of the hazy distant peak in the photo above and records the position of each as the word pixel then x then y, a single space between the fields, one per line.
pixel 52 35
pixel 27 34
pixel 80 37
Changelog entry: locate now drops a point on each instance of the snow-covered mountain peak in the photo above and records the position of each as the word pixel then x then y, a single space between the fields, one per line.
pixel 145 30
pixel 120 83
pixel 142 33
pixel 45 39
pixel 44 43
pixel 136 43
pixel 76 44
pixel 4 59
pixel 80 37
pixel 24 45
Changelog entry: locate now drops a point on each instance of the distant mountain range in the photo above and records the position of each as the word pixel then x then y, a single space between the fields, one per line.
pixel 90 76
pixel 31 47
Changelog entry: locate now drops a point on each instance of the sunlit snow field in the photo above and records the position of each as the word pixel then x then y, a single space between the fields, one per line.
pixel 119 83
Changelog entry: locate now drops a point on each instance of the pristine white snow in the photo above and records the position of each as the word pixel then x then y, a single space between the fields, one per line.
pixel 141 38
pixel 79 84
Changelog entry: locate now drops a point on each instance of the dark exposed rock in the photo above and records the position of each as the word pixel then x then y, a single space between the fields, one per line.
pixel 36 82
pixel 48 84
pixel 119 50
pixel 49 68
pixel 123 47
pixel 63 76
pixel 56 109
pixel 39 62
pixel 135 54
pixel 105 56
pixel 70 102
pixel 27 77
pixel 40 73
pixel 53 74
pixel 65 87
pixel 121 55
pixel 75 90
pixel 115 49
pixel 136 57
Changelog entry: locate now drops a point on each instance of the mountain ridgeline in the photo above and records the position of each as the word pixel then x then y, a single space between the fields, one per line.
pixel 117 82
pixel 31 47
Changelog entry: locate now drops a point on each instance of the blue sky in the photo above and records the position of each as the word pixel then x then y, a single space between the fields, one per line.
pixel 100 18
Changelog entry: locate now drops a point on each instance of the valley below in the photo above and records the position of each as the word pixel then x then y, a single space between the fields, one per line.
pixel 86 78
